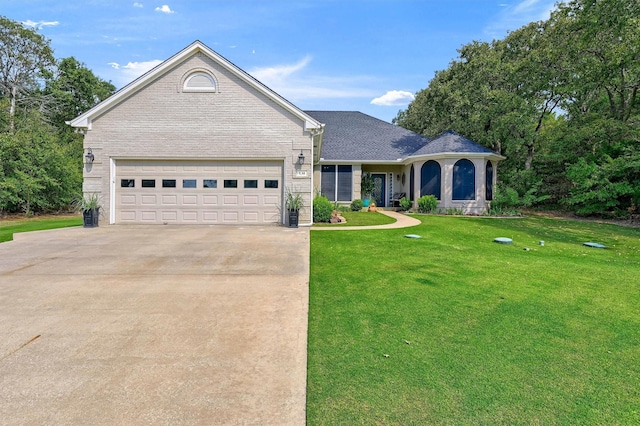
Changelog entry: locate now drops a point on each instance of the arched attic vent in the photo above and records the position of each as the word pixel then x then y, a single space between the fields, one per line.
pixel 199 81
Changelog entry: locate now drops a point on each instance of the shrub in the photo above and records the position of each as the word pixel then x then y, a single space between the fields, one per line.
pixel 356 205
pixel 427 203
pixel 322 209
pixel 405 204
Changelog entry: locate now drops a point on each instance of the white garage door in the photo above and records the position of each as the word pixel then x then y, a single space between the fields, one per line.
pixel 194 192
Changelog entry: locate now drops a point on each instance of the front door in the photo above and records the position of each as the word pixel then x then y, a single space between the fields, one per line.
pixel 379 191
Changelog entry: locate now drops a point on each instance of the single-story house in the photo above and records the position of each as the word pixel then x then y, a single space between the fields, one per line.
pixel 197 140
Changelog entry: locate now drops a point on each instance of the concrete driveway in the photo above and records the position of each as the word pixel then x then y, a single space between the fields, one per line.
pixel 154 325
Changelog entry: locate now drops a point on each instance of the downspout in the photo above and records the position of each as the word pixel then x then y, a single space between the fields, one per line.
pixel 314 133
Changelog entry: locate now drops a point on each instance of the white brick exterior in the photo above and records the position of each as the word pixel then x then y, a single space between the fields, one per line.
pixel 158 120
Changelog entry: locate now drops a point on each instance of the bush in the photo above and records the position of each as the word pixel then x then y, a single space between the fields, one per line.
pixel 356 205
pixel 405 204
pixel 427 204
pixel 322 209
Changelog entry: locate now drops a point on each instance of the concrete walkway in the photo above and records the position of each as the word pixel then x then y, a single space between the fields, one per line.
pixel 157 325
pixel 402 221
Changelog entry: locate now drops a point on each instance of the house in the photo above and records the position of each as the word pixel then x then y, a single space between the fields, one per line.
pixel 460 173
pixel 197 140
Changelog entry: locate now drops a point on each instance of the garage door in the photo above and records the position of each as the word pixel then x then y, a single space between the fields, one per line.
pixel 191 192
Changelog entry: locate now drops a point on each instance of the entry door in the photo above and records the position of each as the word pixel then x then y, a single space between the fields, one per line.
pixel 379 192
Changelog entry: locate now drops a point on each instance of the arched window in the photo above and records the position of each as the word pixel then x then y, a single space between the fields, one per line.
pixel 412 183
pixel 199 81
pixel 430 179
pixel 464 180
pixel 489 181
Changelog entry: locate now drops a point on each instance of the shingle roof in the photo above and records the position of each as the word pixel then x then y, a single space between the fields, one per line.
pixel 451 141
pixel 354 136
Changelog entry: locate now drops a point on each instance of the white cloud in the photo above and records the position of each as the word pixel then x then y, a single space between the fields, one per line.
pixel 514 16
pixel 40 24
pixel 295 83
pixel 136 4
pixel 164 9
pixel 127 73
pixel 394 98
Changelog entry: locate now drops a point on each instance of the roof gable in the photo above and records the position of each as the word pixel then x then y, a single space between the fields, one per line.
pixel 84 120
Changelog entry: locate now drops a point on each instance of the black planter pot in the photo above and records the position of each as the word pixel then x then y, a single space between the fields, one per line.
pixel 293 218
pixel 90 218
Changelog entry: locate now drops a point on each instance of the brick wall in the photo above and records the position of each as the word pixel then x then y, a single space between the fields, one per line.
pixel 162 121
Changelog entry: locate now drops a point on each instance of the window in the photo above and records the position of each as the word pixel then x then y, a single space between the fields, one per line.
pixel 464 180
pixel 489 181
pixel 337 182
pixel 127 183
pixel 328 182
pixel 148 183
pixel 270 183
pixel 230 183
pixel 189 183
pixel 345 183
pixel 209 183
pixel 412 183
pixel 430 179
pixel 168 183
pixel 250 183
pixel 199 81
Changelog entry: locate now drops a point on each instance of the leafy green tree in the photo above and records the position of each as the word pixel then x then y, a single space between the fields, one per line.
pixel 25 56
pixel 74 89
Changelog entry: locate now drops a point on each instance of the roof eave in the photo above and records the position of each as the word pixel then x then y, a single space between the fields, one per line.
pixel 489 155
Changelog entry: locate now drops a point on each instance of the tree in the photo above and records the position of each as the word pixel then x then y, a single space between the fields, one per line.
pixel 25 56
pixel 74 89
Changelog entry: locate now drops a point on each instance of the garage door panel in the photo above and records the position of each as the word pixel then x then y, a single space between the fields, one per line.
pixel 149 200
pixel 169 200
pixel 210 200
pixel 189 200
pixel 149 216
pixel 230 216
pixel 128 200
pixel 230 200
pixel 271 200
pixel 169 215
pixel 199 195
pixel 210 217
pixel 128 216
pixel 250 200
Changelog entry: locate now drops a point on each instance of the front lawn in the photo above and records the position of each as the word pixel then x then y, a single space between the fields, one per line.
pixel 453 328
pixel 10 226
pixel 362 218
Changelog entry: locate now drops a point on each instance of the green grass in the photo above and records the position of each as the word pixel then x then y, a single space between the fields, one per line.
pixel 10 227
pixel 497 334
pixel 361 219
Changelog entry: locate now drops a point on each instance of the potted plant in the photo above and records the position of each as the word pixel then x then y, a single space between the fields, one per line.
pixel 89 205
pixel 367 185
pixel 294 202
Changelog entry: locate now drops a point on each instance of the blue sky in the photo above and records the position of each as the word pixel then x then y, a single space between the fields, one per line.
pixel 352 55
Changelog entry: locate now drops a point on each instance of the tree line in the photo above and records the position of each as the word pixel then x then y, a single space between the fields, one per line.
pixel 559 99
pixel 40 155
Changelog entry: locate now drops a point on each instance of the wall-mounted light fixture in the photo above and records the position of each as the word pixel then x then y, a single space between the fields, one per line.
pixel 301 158
pixel 89 156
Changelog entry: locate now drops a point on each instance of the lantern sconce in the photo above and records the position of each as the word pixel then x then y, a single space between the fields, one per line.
pixel 89 157
pixel 301 158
